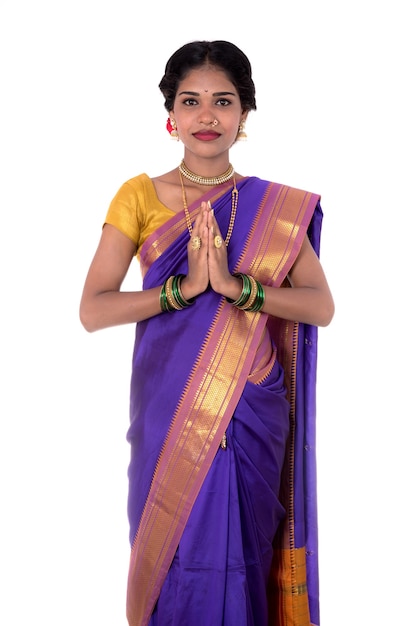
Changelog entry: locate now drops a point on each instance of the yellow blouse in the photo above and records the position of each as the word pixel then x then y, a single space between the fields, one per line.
pixel 136 210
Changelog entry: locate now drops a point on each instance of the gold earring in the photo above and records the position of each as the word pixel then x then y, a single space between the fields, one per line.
pixel 242 135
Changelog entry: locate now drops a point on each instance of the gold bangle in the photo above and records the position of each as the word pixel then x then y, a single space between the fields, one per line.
pixel 170 297
pixel 246 306
pixel 252 295
pixel 245 293
pixel 178 294
pixel 260 295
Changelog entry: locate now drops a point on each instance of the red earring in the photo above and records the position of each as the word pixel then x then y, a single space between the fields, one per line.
pixel 172 128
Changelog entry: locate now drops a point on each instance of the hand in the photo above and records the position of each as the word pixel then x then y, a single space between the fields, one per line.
pixel 220 277
pixel 197 279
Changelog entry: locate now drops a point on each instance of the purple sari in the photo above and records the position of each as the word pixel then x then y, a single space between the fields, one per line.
pixel 212 541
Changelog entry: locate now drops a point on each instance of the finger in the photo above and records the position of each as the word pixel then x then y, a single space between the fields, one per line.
pixel 199 233
pixel 212 223
pixel 197 226
pixel 215 236
pixel 205 208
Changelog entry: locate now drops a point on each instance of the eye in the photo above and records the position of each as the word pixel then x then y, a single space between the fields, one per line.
pixel 190 102
pixel 223 102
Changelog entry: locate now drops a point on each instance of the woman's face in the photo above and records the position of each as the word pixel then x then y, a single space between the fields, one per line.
pixel 207 110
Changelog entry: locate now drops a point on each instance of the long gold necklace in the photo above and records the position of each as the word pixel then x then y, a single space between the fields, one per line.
pixel 206 180
pixel 234 204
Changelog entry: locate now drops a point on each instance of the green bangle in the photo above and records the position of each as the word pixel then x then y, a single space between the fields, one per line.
pixel 164 305
pixel 245 293
pixel 252 295
pixel 174 305
pixel 171 297
pixel 177 293
pixel 259 300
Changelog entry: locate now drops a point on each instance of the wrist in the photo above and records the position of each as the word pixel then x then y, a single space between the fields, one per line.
pixel 171 295
pixel 232 288
pixel 252 295
pixel 187 288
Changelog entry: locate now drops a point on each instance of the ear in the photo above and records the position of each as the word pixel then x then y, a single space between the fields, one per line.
pixel 244 116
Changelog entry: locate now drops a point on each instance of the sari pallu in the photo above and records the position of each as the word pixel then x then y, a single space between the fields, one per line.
pixel 190 370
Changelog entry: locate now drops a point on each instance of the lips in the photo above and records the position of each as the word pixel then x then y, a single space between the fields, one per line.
pixel 206 135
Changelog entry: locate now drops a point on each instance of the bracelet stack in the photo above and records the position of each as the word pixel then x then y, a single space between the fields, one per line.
pixel 171 297
pixel 252 295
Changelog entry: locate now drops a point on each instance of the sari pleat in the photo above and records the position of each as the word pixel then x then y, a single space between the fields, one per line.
pixel 220 577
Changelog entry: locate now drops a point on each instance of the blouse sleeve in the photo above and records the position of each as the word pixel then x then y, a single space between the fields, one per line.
pixel 125 212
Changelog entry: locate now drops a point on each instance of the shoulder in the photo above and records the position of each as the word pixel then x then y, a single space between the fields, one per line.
pixel 298 194
pixel 137 183
pixel 295 189
pixel 135 191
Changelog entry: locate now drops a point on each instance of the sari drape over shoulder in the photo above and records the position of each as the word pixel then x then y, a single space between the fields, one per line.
pixel 219 536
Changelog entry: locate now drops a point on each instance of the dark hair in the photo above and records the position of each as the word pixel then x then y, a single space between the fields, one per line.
pixel 221 54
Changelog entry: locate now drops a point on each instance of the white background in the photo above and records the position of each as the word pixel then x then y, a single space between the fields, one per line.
pixel 80 114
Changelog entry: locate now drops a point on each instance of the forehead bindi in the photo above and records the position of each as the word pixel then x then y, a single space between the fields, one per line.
pixel 206 81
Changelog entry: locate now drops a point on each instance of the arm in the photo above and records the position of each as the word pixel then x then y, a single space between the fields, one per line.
pixel 309 301
pixel 102 303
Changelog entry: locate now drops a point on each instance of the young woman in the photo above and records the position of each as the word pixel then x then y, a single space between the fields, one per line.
pixel 222 496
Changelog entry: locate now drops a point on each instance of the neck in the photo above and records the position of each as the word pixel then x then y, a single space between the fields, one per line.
pixel 206 166
pixel 202 179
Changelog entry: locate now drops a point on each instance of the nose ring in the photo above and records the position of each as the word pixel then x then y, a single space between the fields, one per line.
pixel 215 122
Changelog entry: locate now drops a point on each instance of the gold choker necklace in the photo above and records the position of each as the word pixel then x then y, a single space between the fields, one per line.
pixel 206 180
pixel 234 204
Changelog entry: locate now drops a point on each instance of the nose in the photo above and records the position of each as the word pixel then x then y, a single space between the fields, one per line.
pixel 207 116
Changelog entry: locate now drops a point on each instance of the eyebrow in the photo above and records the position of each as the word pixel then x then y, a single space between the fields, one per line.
pixel 217 93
